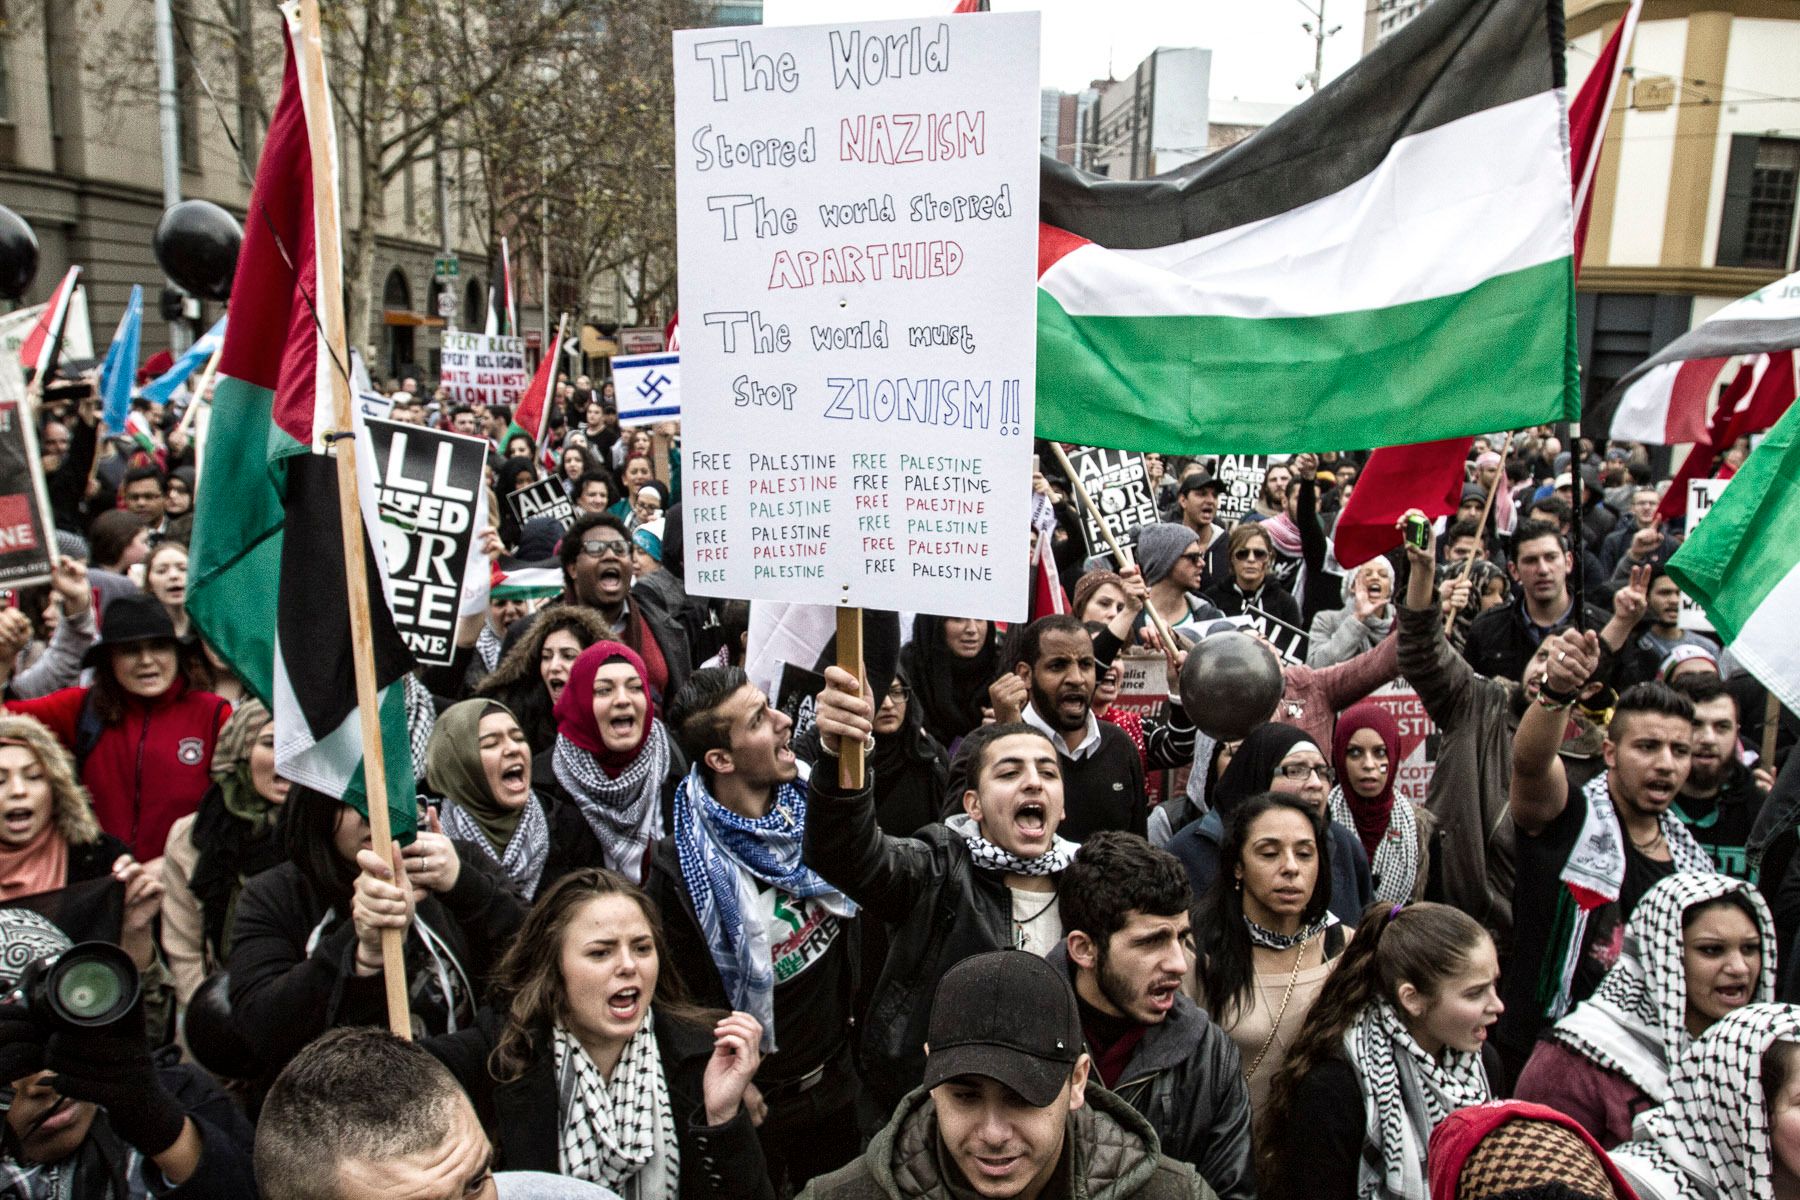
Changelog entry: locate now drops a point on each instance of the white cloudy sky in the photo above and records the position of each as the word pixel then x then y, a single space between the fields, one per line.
pixel 1259 48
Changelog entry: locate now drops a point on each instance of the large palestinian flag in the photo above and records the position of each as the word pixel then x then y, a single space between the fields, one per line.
pixel 1390 262
pixel 267 585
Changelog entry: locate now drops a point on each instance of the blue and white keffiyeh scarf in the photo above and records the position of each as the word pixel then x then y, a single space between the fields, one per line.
pixel 723 855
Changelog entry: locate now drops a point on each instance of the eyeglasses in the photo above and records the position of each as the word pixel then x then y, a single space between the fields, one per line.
pixel 1250 554
pixel 1296 772
pixel 899 693
pixel 596 548
pixel 1196 559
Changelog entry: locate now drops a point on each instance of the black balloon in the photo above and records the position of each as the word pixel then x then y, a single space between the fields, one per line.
pixel 196 243
pixel 1230 685
pixel 18 254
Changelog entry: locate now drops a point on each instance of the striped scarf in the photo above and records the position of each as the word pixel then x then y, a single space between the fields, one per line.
pixel 723 856
pixel 1406 1093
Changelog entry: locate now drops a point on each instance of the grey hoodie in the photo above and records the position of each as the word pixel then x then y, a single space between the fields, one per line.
pixel 1111 1154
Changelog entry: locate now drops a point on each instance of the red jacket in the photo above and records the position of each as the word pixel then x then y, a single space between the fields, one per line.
pixel 147 770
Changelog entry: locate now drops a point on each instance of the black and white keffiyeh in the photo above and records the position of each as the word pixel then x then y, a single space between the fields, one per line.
pixel 1594 875
pixel 526 851
pixel 421 715
pixel 1406 1092
pixel 619 1133
pixel 1396 862
pixel 1710 1140
pixel 625 813
pixel 990 857
pixel 1635 1024
pixel 1268 939
pixel 488 646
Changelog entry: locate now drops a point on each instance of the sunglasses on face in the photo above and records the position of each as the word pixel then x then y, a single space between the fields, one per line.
pixel 1250 555
pixel 598 548
pixel 1195 559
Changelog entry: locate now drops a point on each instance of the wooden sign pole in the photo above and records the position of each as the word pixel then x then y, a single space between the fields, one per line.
pixel 329 303
pixel 849 658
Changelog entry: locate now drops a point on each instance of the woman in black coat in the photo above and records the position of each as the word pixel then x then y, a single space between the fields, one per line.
pixel 296 957
pixel 911 772
pixel 587 1035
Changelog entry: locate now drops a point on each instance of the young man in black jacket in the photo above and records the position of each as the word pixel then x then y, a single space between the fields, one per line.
pixel 751 928
pixel 1051 688
pixel 985 879
pixel 1129 946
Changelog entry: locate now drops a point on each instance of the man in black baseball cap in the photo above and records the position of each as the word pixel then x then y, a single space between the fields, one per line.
pixel 1007 1111
pixel 1198 502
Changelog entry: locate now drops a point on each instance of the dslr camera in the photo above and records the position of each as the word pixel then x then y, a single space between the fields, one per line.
pixel 87 988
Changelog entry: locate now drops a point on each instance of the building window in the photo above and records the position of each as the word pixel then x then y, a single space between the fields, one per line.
pixel 1762 182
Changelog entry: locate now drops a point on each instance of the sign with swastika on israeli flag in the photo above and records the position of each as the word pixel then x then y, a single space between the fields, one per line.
pixel 647 388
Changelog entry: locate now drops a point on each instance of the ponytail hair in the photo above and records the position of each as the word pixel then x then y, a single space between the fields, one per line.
pixel 1422 944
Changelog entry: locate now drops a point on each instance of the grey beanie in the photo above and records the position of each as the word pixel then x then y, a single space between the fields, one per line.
pixel 1159 546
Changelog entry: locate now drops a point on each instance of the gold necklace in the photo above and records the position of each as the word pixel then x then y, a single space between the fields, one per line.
pixel 1286 996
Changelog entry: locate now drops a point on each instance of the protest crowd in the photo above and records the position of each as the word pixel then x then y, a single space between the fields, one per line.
pixel 1369 823
pixel 652 943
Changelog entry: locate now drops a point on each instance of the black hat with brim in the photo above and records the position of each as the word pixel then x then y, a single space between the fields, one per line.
pixel 127 620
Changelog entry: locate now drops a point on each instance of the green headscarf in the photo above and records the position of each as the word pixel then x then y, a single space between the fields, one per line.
pixel 230 767
pixel 453 769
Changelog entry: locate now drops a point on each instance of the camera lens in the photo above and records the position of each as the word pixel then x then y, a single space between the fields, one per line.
pixel 88 989
pixel 90 986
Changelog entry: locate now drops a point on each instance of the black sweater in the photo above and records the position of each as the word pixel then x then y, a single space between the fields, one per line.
pixel 283 996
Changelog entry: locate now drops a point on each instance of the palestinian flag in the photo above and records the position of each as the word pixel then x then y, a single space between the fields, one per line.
pixel 1663 399
pixel 1390 262
pixel 43 345
pixel 1742 562
pixel 532 417
pixel 267 585
pixel 519 579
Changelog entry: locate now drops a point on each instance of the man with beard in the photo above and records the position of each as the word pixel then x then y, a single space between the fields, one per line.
pixel 1722 797
pixel 1272 500
pixel 1660 633
pixel 1006 1112
pixel 1051 689
pixel 596 563
pixel 1129 946
pixel 751 927
pixel 1585 857
pixel 1503 639
pixel 984 879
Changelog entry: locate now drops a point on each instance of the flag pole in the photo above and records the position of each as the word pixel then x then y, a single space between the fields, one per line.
pixel 330 306
pixel 206 378
pixel 1487 507
pixel 543 423
pixel 1121 555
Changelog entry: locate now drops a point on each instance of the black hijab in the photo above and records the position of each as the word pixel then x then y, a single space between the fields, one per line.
pixel 949 691
pixel 1253 766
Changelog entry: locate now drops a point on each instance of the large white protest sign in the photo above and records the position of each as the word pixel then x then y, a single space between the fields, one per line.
pixel 1701 496
pixel 429 490
pixel 857 215
pixel 483 368
pixel 647 388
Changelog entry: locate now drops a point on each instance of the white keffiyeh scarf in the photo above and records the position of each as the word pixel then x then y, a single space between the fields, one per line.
pixel 1396 862
pixel 1635 1024
pixel 1406 1092
pixel 1710 1140
pixel 618 1133
pixel 527 849
pixel 1594 875
pixel 990 857
pixel 625 813
pixel 488 646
